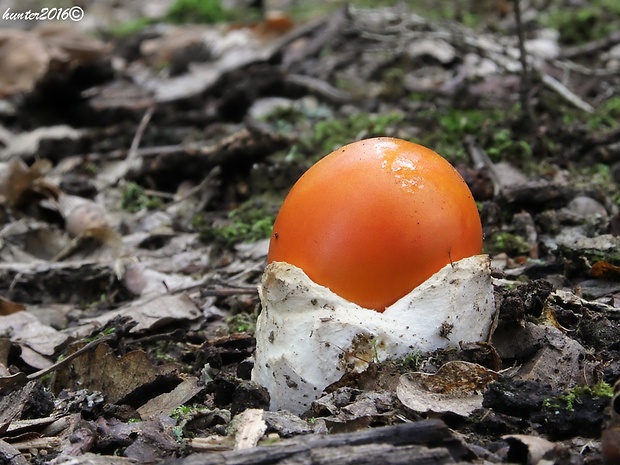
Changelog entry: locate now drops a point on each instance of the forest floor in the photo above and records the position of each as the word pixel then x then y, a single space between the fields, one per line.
pixel 143 162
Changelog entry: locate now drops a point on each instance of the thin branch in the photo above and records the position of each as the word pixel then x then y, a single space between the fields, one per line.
pixel 524 90
pixel 566 93
pixel 135 143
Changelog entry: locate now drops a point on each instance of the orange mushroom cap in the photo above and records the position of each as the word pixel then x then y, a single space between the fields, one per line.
pixel 376 218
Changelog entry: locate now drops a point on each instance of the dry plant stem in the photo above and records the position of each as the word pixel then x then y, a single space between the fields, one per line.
pixel 565 93
pixel 320 87
pixel 228 291
pixel 592 47
pixel 209 180
pixel 135 143
pixel 568 65
pixel 525 73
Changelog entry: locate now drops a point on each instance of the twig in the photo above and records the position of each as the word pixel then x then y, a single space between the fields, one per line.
pixel 572 66
pixel 320 88
pixel 524 89
pixel 228 291
pixel 591 47
pixel 567 94
pixel 209 180
pixel 135 143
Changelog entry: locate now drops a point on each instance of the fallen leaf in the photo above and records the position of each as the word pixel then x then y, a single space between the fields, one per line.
pixel 249 427
pixel 24 60
pixel 39 342
pixel 117 378
pixel 149 313
pixel 101 244
pixel 7 306
pixel 143 281
pixel 454 388
pixel 536 449
pixel 81 214
pixel 604 269
pixel 26 145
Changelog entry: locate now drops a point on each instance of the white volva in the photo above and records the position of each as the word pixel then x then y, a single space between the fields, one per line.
pixel 307 337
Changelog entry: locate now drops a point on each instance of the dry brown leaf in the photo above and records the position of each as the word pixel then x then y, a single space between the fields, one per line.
pixel 7 306
pixel 26 56
pixel 24 59
pixel 604 269
pixel 160 50
pixel 454 388
pixel 15 180
pixel 95 245
pixel 20 184
pixel 69 44
pixel 275 24
pixel 81 214
pixel 101 370
pixel 38 341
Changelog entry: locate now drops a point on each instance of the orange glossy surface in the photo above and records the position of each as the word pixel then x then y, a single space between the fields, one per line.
pixel 376 218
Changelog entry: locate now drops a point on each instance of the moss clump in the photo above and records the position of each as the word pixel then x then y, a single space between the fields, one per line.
pixel 600 389
pixel 329 134
pixel 248 223
pixel 241 323
pixel 134 198
pixel 196 11
pixel 491 127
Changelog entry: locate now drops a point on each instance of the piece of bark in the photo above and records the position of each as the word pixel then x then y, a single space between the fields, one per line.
pixel 13 403
pixel 10 455
pixel 423 442
pixel 366 454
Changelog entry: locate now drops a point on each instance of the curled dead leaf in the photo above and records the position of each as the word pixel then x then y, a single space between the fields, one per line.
pixel 24 59
pixel 81 214
pixel 530 449
pixel 7 306
pixel 96 244
pixel 604 269
pixel 26 56
pixel 15 181
pixel 101 370
pixel 454 388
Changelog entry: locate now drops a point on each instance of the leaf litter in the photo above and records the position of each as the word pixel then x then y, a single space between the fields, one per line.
pixel 128 298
